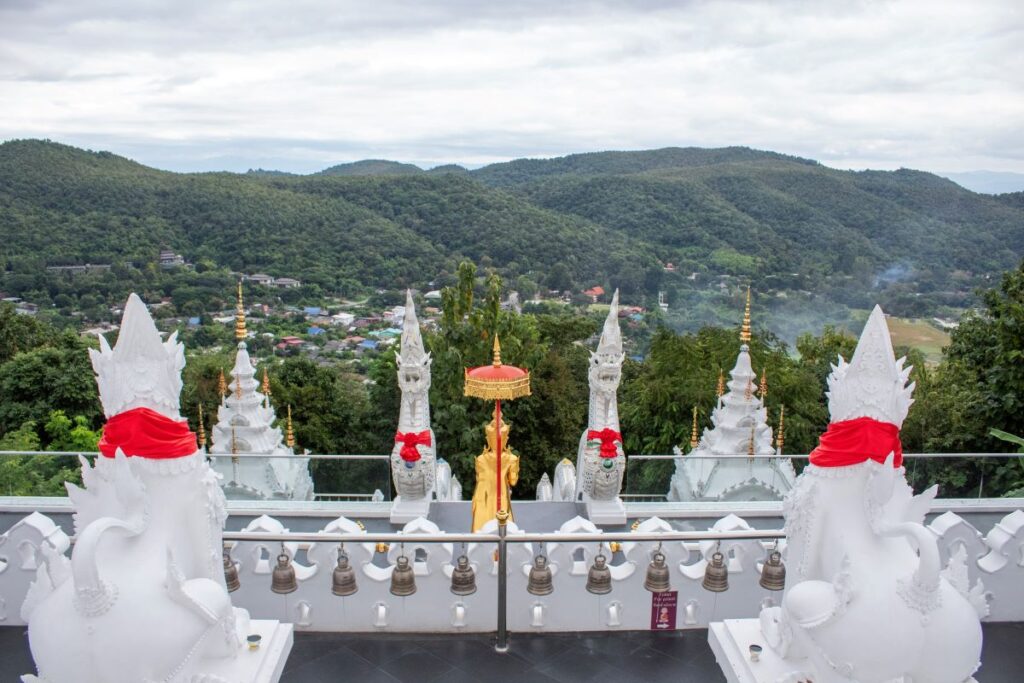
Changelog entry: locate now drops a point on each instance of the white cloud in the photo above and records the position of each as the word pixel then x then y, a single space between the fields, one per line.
pixel 302 84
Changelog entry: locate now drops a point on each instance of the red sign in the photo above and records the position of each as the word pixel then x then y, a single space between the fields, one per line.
pixel 663 610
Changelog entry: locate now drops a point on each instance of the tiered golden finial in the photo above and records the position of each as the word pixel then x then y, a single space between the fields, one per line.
pixel 202 428
pixel 750 448
pixel 748 393
pixel 745 330
pixel 497 352
pixel 780 435
pixel 764 383
pixel 721 383
pixel 266 383
pixel 240 316
pixel 234 446
pixel 222 384
pixel 694 440
pixel 238 388
pixel 289 435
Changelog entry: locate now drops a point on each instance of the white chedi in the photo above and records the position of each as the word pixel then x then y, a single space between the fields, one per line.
pixel 866 597
pixel 143 597
pixel 739 428
pixel 600 460
pixel 245 424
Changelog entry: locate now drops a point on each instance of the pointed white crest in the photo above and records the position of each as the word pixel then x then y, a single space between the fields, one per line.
pixel 413 352
pixel 141 370
pixel 611 335
pixel 874 383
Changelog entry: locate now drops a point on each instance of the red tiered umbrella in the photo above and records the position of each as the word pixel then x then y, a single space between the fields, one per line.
pixel 497 382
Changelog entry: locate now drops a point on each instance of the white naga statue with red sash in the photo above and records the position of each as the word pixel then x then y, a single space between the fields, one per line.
pixel 413 456
pixel 143 597
pixel 601 463
pixel 866 597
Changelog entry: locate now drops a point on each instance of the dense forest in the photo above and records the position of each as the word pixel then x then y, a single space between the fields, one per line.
pixel 48 396
pixel 915 242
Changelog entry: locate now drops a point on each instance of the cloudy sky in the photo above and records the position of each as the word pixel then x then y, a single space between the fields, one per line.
pixel 299 84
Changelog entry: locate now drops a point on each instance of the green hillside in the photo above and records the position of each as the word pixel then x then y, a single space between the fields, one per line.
pixel 915 241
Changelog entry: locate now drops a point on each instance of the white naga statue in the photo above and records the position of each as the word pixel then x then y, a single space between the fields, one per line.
pixel 600 461
pixel 413 458
pixel 866 599
pixel 143 597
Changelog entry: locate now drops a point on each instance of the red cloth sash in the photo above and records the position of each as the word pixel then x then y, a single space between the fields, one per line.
pixel 409 441
pixel 852 442
pixel 147 434
pixel 608 437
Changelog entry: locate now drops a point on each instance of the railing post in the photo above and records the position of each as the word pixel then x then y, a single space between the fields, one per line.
pixel 501 645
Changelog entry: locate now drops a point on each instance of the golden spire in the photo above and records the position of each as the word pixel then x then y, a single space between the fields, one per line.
pixel 748 394
pixel 222 385
pixel 750 449
pixel 202 427
pixel 721 383
pixel 240 316
pixel 266 383
pixel 780 435
pixel 289 438
pixel 234 446
pixel 693 432
pixel 497 351
pixel 745 330
pixel 238 387
pixel 764 383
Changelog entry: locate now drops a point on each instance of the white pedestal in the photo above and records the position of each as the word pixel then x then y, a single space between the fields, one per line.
pixel 606 512
pixel 731 639
pixel 263 665
pixel 403 511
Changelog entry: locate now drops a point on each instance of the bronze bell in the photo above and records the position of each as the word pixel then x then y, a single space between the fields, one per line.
pixel 657 579
pixel 231 574
pixel 403 581
pixel 463 577
pixel 283 580
pixel 716 575
pixel 344 578
pixel 773 573
pixel 599 578
pixel 540 577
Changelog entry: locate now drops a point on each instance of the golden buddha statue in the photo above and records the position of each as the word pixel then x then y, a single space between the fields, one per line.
pixel 484 496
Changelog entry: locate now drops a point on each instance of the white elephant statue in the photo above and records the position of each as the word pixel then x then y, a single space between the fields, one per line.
pixel 867 599
pixel 143 597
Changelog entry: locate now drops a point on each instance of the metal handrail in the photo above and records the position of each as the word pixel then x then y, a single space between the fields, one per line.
pixel 638 456
pixel 542 537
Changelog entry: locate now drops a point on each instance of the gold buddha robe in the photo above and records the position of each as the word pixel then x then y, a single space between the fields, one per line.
pixel 485 506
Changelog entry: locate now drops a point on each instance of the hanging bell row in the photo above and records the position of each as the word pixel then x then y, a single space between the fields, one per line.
pixel 657 579
pixel 403 580
pixel 283 578
pixel 463 577
pixel 344 579
pixel 716 574
pixel 540 577
pixel 773 573
pixel 230 573
pixel 599 578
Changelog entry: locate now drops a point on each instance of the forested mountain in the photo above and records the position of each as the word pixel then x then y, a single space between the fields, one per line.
pixel 610 218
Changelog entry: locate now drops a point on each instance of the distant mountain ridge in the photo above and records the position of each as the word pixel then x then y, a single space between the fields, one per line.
pixel 611 218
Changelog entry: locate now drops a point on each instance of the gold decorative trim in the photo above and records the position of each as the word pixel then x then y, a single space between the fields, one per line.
pixel 497 390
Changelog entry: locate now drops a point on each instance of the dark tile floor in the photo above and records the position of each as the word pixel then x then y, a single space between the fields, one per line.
pixel 623 657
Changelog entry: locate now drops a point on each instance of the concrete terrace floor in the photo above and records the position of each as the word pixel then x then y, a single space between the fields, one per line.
pixel 620 657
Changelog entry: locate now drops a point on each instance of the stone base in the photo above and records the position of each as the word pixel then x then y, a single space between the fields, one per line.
pixel 606 512
pixel 404 511
pixel 731 639
pixel 263 665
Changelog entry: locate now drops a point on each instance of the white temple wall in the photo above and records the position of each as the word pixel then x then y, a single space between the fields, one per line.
pixel 995 555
